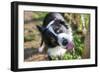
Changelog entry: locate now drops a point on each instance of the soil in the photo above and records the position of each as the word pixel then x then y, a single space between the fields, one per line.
pixel 31 47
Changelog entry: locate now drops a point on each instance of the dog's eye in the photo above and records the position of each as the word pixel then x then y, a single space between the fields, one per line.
pixel 62 22
pixel 59 31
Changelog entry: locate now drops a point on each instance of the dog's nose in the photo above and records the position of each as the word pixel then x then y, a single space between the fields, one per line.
pixel 65 42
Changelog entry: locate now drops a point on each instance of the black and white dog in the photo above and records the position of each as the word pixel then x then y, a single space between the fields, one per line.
pixel 56 35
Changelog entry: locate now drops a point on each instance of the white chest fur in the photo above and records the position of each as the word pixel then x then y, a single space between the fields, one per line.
pixel 56 51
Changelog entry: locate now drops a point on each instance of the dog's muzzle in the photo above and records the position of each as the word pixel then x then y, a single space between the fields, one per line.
pixel 65 40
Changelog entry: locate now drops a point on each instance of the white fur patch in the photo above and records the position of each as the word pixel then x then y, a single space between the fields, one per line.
pixel 56 51
pixel 66 36
pixel 50 23
pixel 40 49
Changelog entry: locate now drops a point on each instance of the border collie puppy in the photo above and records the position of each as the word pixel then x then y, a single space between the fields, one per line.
pixel 56 35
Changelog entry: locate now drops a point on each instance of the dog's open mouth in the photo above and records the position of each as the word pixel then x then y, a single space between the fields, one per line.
pixel 70 46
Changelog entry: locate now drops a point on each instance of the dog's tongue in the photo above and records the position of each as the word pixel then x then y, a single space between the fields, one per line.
pixel 70 45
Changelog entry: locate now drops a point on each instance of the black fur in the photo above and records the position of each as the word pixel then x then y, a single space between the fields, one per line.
pixel 50 39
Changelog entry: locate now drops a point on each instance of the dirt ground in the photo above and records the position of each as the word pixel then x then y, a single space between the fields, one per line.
pixel 31 46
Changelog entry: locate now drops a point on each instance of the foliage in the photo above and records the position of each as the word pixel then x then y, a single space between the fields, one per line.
pixel 39 15
pixel 78 40
pixel 29 37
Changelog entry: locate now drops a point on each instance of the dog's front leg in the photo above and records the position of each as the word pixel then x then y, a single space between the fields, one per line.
pixel 41 48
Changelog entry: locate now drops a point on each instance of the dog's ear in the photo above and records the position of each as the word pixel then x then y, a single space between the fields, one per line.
pixel 39 28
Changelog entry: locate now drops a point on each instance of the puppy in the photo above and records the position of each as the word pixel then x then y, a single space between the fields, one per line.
pixel 56 35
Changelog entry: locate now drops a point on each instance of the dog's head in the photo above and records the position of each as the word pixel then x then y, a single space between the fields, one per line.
pixel 56 31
